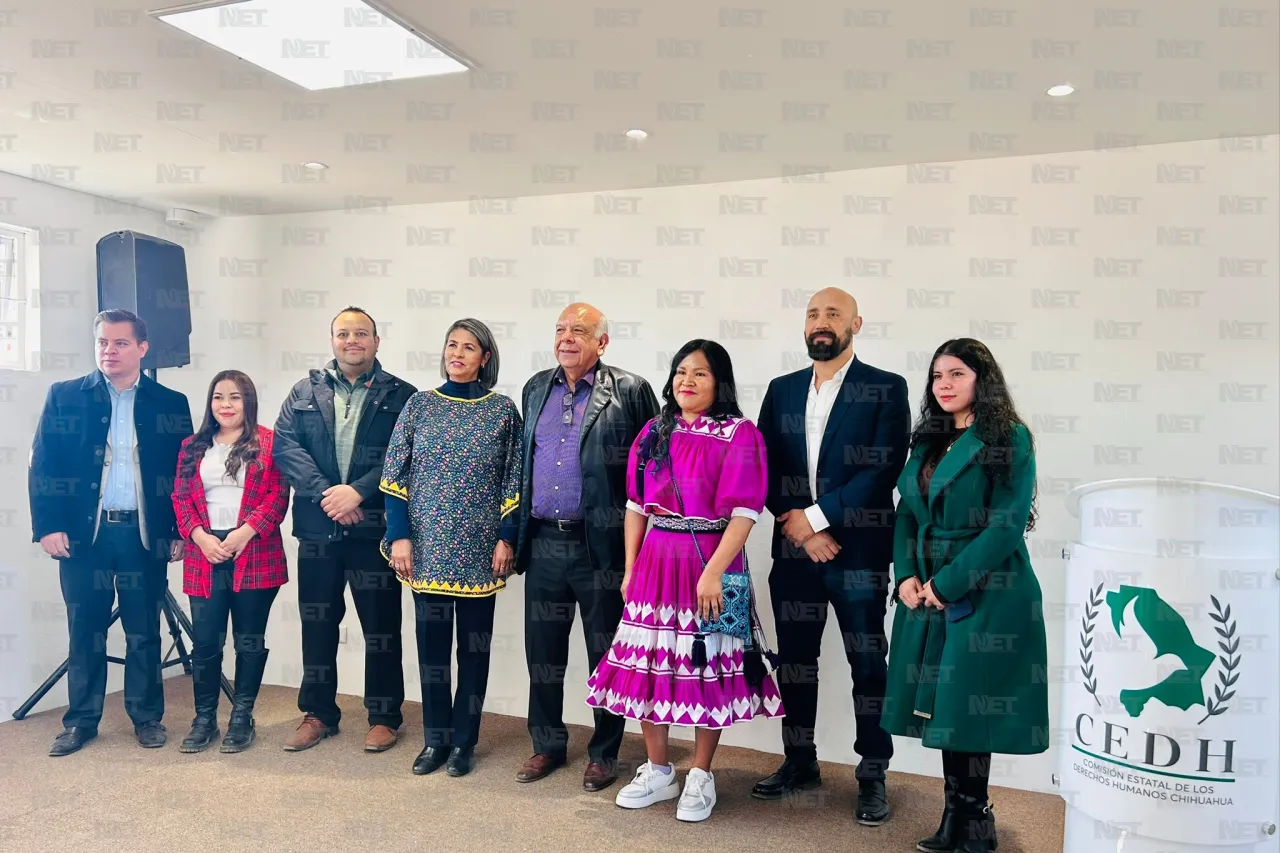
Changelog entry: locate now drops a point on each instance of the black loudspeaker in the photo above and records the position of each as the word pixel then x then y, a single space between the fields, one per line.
pixel 148 276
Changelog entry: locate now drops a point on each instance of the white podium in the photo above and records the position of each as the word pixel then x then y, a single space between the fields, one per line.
pixel 1170 715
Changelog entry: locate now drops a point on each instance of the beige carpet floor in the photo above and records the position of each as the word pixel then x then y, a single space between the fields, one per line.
pixel 115 796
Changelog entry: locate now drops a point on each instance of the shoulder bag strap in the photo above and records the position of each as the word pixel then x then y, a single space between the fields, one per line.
pixel 680 504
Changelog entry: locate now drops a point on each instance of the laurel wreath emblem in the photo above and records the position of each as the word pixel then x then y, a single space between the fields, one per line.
pixel 1229 660
pixel 1086 642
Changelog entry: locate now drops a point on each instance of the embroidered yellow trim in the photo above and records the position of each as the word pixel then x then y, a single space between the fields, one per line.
pixel 510 505
pixel 460 590
pixel 393 489
pixel 440 393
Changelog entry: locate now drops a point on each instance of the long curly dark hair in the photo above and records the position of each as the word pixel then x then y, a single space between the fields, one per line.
pixel 245 451
pixel 657 444
pixel 993 415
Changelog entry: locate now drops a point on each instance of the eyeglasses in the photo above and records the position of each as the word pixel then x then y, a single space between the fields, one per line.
pixel 567 402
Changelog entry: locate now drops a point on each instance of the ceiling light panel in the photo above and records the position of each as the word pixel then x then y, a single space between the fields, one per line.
pixel 317 44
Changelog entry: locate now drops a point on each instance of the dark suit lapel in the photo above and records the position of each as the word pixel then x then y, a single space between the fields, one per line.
pixel 840 408
pixel 601 394
pixel 101 412
pixel 953 462
pixel 796 405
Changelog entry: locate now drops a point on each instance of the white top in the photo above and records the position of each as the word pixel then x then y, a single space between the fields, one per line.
pixel 221 493
pixel 817 409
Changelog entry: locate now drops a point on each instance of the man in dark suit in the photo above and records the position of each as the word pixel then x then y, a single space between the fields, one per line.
pixel 837 436
pixel 100 484
pixel 580 420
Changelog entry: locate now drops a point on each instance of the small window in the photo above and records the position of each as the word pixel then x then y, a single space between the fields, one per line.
pixel 19 320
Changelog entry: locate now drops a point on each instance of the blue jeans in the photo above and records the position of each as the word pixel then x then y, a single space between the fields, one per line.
pixel 802 592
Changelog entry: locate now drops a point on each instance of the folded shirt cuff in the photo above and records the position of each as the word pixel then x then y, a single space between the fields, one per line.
pixel 635 507
pixel 744 512
pixel 817 520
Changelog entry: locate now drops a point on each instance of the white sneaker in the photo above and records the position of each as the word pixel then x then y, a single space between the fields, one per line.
pixel 650 786
pixel 699 796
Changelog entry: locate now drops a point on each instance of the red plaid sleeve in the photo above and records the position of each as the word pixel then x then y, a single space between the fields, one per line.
pixel 267 493
pixel 184 506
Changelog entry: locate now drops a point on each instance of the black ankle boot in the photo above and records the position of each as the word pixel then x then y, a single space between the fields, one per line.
pixel 948 834
pixel 241 731
pixel 977 825
pixel 206 680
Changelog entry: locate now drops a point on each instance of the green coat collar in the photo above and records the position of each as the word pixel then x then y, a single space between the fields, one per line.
pixel 953 462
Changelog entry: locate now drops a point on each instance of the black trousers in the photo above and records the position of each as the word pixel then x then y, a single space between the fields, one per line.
pixel 248 609
pixel 324 570
pixel 560 577
pixel 802 591
pixel 116 565
pixel 453 718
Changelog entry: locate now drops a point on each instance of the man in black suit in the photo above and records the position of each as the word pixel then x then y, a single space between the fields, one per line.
pixel 580 420
pixel 837 436
pixel 100 484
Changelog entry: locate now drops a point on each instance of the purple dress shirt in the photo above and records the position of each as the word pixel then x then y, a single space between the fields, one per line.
pixel 557 475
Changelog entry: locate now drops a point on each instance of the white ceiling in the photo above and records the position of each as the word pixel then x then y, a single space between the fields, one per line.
pixel 822 85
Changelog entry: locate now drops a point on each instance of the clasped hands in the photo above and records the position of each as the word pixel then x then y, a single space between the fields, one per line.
pixel 222 550
pixel 913 594
pixel 342 504
pixel 821 547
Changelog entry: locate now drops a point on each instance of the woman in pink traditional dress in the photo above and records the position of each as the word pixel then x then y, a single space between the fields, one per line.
pixel 703 465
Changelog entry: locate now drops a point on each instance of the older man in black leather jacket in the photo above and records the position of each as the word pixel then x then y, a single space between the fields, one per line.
pixel 579 422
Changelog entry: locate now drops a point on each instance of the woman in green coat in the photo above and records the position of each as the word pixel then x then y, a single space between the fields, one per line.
pixel 967 659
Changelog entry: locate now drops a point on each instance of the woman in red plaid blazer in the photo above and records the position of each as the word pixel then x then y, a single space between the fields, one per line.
pixel 229 499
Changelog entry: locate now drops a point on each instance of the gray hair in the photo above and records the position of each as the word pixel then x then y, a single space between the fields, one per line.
pixel 602 328
pixel 489 371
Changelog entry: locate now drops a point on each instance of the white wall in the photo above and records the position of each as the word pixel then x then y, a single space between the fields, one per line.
pixel 1104 366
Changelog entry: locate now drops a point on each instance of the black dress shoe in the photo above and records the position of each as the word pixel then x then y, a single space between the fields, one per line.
pixel 151 735
pixel 431 759
pixel 873 803
pixel 789 779
pixel 71 739
pixel 461 761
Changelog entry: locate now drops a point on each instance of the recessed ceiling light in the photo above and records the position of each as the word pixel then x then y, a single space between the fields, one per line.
pixel 314 166
pixel 636 133
pixel 1060 90
pixel 317 44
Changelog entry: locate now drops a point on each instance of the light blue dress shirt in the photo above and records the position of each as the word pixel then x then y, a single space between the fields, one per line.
pixel 120 490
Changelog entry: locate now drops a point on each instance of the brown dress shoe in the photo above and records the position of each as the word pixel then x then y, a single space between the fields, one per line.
pixel 380 738
pixel 599 776
pixel 538 767
pixel 309 733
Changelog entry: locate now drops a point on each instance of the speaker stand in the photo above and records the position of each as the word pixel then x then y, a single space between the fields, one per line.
pixel 178 623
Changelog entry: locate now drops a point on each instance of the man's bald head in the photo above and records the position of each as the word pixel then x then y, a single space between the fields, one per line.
pixel 834 296
pixel 582 333
pixel 831 320
pixel 588 314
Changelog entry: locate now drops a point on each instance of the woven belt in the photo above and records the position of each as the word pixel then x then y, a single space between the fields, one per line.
pixel 699 525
